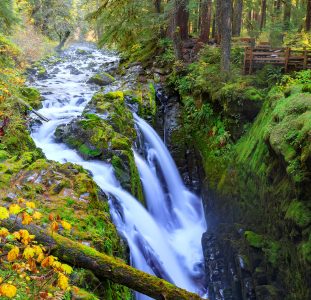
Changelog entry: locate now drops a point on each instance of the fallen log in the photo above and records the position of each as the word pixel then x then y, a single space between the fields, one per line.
pixel 32 110
pixel 102 265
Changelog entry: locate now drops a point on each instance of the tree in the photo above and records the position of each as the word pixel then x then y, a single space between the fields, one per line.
pixel 226 34
pixel 237 18
pixel 205 20
pixel 7 15
pixel 218 21
pixel 263 14
pixel 181 16
pixel 308 16
pixel 287 14
pixel 53 18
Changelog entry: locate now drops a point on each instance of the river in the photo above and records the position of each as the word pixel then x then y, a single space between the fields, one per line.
pixel 165 237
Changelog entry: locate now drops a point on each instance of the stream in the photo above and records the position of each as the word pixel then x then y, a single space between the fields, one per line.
pixel 165 238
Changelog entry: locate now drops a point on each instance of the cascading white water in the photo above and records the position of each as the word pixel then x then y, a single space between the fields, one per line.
pixel 166 240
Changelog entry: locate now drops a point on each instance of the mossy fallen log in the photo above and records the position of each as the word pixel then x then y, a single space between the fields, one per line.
pixel 33 110
pixel 102 265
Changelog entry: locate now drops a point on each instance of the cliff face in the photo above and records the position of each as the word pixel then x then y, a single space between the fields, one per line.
pixel 256 190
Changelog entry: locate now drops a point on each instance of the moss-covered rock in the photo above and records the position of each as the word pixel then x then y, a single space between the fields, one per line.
pixel 253 182
pixel 101 79
pixel 32 96
pixel 106 131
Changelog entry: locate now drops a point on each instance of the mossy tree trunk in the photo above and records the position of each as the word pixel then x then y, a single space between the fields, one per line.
pixel 102 265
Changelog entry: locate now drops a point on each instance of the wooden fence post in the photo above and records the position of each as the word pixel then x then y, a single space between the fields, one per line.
pixel 287 55
pixel 251 61
pixel 305 57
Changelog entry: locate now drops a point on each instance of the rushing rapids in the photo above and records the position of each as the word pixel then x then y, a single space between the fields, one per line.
pixel 165 238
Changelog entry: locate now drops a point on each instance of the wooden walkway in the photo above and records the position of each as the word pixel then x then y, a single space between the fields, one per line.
pixel 290 60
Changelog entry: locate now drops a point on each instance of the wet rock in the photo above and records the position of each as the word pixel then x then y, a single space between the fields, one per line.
pixel 268 292
pixel 10 197
pixel 75 71
pixel 169 126
pixel 108 138
pixel 101 79
pixel 55 71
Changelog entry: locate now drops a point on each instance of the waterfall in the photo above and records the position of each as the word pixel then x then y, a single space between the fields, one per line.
pixel 165 238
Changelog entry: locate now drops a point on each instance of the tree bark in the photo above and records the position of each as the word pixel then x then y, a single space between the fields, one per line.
pixel 205 16
pixel 218 21
pixel 157 6
pixel 308 16
pixel 226 34
pixel 102 265
pixel 182 18
pixel 263 14
pixel 237 18
pixel 63 41
pixel 287 14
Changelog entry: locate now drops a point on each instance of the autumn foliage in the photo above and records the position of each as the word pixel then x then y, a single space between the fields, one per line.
pixel 23 259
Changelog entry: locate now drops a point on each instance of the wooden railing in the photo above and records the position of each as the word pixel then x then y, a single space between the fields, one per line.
pixel 291 60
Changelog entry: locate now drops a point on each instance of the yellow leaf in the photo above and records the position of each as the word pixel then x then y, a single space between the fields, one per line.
pixel 37 216
pixel 26 219
pixel 4 213
pixel 56 265
pixel 66 225
pixel 40 257
pixel 17 235
pixel 62 281
pixel 66 269
pixel 54 226
pixel 31 204
pixel 8 290
pixel 14 209
pixel 29 252
pixel 48 261
pixel 26 237
pixel 13 254
pixel 20 200
pixel 4 232
pixel 1 279
pixel 38 250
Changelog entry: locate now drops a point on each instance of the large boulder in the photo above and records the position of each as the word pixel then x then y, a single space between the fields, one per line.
pixel 101 79
pixel 106 131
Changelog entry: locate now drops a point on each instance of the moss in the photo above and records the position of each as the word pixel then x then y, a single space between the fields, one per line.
pixel 89 152
pixel 39 164
pixel 115 96
pixel 254 239
pixel 299 213
pixel 306 88
pixel 32 96
pixel 3 155
pixel 305 250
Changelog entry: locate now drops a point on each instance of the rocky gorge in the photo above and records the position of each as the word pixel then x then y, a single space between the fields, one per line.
pixel 249 189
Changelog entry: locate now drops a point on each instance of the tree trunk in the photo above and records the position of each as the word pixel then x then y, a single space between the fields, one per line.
pixel 218 21
pixel 63 41
pixel 287 14
pixel 182 18
pixel 206 16
pixel 226 33
pixel 237 18
pixel 157 6
pixel 102 265
pixel 177 42
pixel 308 16
pixel 263 14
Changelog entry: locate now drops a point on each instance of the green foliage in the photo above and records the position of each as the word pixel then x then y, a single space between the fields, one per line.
pixel 299 213
pixel 254 239
pixel 7 15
